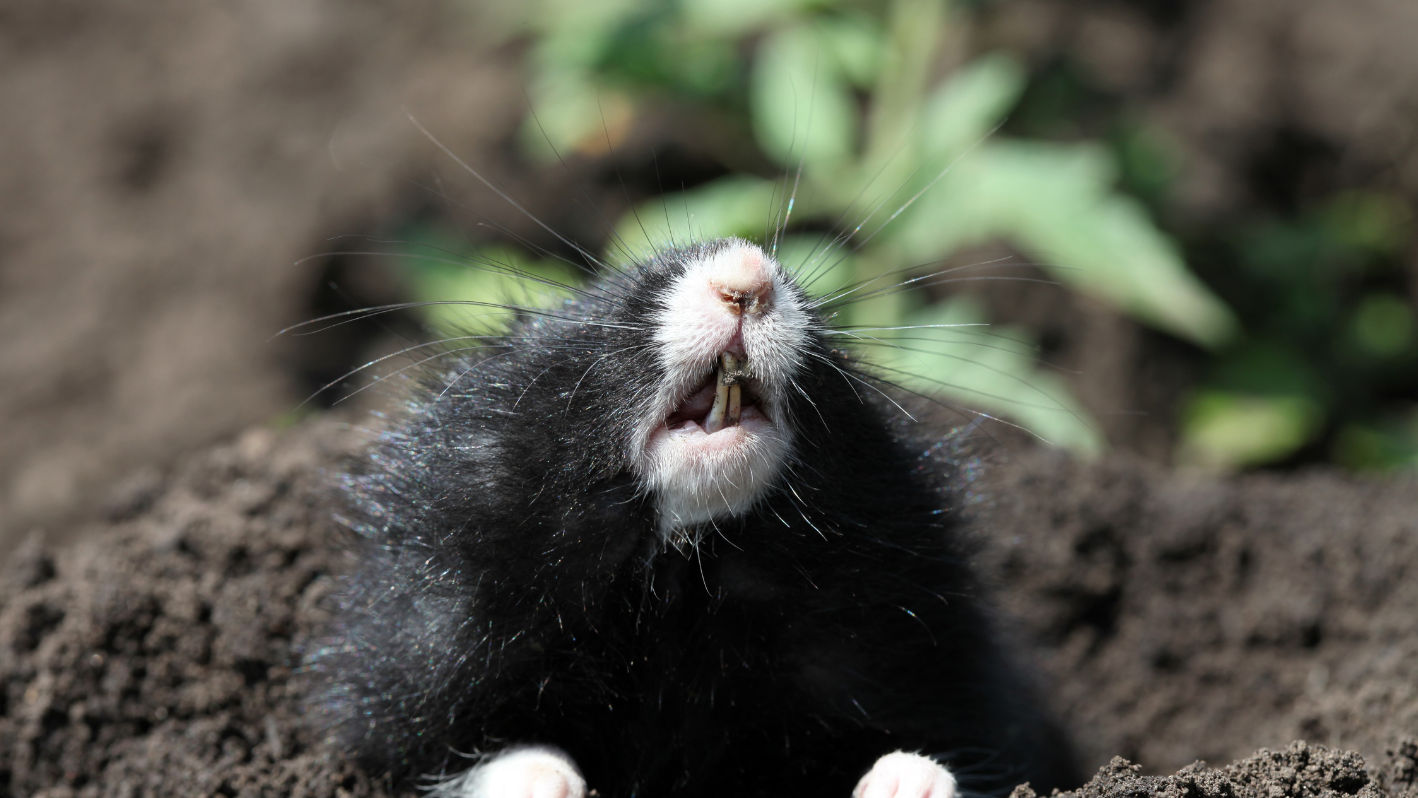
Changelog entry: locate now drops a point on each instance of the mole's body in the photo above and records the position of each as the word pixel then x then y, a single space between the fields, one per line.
pixel 609 554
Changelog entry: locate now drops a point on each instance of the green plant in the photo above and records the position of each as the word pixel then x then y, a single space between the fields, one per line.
pixel 841 97
pixel 1329 341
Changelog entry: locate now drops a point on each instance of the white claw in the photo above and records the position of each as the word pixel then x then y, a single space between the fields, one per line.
pixel 531 772
pixel 903 775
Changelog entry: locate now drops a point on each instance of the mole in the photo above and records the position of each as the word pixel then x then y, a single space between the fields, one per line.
pixel 667 539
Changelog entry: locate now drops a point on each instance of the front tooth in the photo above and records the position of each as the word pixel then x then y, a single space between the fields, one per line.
pixel 715 420
pixel 735 403
pixel 733 370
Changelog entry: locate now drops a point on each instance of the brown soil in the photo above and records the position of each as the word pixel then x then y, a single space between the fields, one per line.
pixel 1298 771
pixel 165 167
pixel 1187 618
pixel 1175 620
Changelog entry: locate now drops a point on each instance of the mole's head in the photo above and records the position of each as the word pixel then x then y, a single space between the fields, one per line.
pixel 730 334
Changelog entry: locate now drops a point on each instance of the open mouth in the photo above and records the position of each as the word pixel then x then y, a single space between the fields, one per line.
pixel 723 401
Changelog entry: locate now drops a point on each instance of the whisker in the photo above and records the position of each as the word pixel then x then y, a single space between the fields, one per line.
pixel 1028 355
pixel 850 375
pixel 514 203
pixel 957 408
pixel 590 269
pixel 849 329
pixel 975 363
pixel 1057 407
pixel 352 372
pixel 602 221
pixel 397 306
pixel 414 365
pixel 472 260
pixel 926 187
pixel 858 285
pixel 843 236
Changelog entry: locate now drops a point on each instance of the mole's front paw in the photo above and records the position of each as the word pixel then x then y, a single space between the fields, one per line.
pixel 903 775
pixel 533 772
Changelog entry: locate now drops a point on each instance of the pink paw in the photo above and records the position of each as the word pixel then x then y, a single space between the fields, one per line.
pixel 903 775
pixel 519 773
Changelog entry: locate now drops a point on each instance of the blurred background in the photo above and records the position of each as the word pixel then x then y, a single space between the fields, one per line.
pixel 1177 228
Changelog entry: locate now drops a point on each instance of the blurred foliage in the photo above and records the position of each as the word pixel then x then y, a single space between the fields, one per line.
pixel 485 286
pixel 1323 367
pixel 843 98
pixel 868 140
pixel 1330 342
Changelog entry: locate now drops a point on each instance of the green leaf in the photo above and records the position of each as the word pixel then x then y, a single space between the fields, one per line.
pixel 856 42
pixel 1383 325
pixel 731 206
pixel 1055 203
pixel 984 369
pixel 802 110
pixel 1225 431
pixel 568 111
pixel 575 33
pixel 735 18
pixel 1370 220
pixel 822 269
pixel 963 111
pixel 1388 445
pixel 491 277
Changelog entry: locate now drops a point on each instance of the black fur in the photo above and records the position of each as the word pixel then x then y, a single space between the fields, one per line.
pixel 514 589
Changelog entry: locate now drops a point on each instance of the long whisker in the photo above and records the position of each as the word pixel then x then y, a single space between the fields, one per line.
pixel 927 187
pixel 414 365
pixel 363 313
pixel 843 235
pixel 1057 407
pixel 500 341
pixel 849 329
pixel 927 280
pixel 978 414
pixel 595 363
pixel 352 372
pixel 590 269
pixel 1031 356
pixel 601 219
pixel 896 289
pixel 850 375
pixel 1014 377
pixel 860 284
pixel 473 260
pixel 504 195
pixel 837 244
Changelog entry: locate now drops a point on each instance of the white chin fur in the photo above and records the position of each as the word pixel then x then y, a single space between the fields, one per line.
pixel 698 477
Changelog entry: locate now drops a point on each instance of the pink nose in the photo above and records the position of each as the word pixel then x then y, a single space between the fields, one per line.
pixel 743 284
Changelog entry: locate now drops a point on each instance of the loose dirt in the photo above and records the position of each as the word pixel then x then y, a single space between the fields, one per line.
pixel 1174 619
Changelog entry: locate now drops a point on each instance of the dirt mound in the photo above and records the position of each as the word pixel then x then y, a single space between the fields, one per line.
pixel 1299 771
pixel 1176 620
pixel 1184 619
pixel 158 658
pixel 165 167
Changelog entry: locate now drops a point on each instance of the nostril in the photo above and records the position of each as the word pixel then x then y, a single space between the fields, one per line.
pixel 749 298
pixel 734 299
pixel 741 279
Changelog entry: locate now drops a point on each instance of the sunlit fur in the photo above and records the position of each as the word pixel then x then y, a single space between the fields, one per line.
pixel 514 585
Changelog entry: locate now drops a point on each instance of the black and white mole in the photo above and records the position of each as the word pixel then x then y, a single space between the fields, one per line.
pixel 665 540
